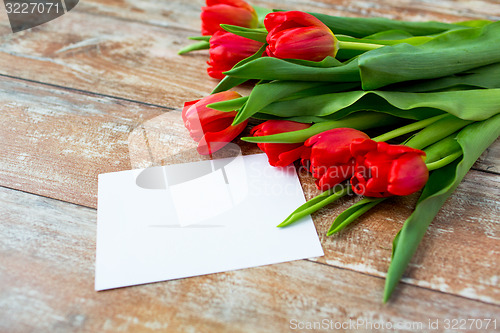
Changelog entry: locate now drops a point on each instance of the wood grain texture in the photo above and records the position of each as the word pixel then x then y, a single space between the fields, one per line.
pixel 130 51
pixel 460 253
pixel 47 271
pixel 111 84
pixel 130 60
pixel 56 142
pixel 183 14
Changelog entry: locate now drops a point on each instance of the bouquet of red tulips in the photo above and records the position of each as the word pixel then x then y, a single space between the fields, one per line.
pixel 323 80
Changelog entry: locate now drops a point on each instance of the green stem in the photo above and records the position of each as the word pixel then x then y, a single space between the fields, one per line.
pixel 302 211
pixel 436 132
pixel 353 213
pixel 358 46
pixel 200 38
pixel 444 161
pixel 442 149
pixel 229 105
pixel 359 120
pixel 203 45
pixel 408 128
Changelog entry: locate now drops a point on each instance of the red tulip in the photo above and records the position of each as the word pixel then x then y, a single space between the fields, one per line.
pixel 330 156
pixel 212 129
pixel 233 12
pixel 298 35
pixel 383 170
pixel 280 154
pixel 226 50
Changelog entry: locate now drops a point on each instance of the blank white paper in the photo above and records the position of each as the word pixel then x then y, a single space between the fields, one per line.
pixel 198 218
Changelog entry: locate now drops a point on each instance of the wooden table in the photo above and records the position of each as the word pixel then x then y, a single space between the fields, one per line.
pixel 71 92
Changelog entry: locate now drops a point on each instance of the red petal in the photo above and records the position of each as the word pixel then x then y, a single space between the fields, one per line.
pixel 227 12
pixel 397 150
pixel 408 174
pixel 362 146
pixel 270 127
pixel 333 176
pixel 213 141
pixel 306 43
pixel 332 147
pixel 291 19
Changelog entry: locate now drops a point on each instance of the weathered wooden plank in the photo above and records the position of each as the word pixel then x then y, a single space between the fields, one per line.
pixel 178 13
pixel 490 160
pixel 47 271
pixel 124 59
pixel 139 61
pixel 56 142
pixel 460 253
pixel 136 62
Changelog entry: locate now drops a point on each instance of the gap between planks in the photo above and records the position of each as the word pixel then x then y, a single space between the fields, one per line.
pixel 69 209
pixel 168 108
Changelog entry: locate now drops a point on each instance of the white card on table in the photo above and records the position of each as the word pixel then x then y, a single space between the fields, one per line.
pixel 198 218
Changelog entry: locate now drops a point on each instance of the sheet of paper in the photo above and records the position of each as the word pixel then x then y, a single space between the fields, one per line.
pixel 198 218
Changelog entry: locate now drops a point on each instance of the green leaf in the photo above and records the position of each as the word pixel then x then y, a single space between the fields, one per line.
pixel 264 94
pixel 203 45
pixel 347 52
pixel 473 139
pixel 417 40
pixel 477 104
pixel 352 213
pixel 358 120
pixel 325 88
pixel 480 77
pixel 268 68
pixel 299 119
pixel 230 82
pixel 229 105
pixel 325 63
pixel 253 34
pixel 450 53
pixel 363 26
pixel 390 35
pixel 475 23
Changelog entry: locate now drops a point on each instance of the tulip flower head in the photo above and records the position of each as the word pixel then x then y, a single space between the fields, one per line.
pixel 226 50
pixel 383 170
pixel 329 156
pixel 298 35
pixel 233 12
pixel 212 129
pixel 280 154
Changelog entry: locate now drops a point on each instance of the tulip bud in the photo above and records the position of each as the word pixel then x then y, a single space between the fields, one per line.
pixel 298 35
pixel 233 12
pixel 383 170
pixel 212 129
pixel 226 50
pixel 280 154
pixel 329 156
